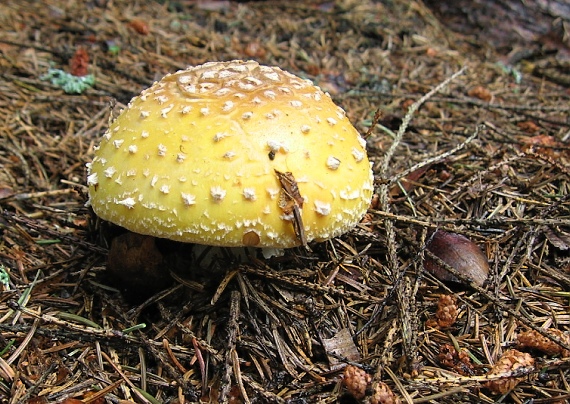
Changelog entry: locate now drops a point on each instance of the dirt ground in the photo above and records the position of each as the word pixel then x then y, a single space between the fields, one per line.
pixel 476 172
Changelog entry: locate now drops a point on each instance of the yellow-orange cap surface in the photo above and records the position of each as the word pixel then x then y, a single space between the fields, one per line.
pixel 193 158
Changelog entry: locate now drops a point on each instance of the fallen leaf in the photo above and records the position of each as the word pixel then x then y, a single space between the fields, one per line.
pixel 140 27
pixel 341 346
pixel 480 92
pixel 458 252
pixel 557 237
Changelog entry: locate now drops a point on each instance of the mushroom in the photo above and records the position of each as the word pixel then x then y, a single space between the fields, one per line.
pixel 212 154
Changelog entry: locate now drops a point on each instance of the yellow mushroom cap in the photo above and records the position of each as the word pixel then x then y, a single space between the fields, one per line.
pixel 196 156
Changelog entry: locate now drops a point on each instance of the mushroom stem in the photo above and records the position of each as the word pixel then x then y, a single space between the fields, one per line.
pixel 206 255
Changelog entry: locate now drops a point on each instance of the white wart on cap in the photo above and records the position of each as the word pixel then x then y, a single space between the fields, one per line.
pixel 195 157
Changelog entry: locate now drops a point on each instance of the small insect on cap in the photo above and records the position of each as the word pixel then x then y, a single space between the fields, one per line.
pixel 232 154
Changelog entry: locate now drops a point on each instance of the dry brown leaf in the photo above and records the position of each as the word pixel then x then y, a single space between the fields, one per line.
pixel 528 126
pixel 458 252
pixel 480 92
pixel 341 346
pixel 140 26
pixel 557 237
pixel 546 145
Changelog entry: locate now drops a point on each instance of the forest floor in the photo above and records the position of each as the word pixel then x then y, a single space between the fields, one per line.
pixel 370 317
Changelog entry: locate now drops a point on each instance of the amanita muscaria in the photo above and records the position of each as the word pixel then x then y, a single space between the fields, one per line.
pixel 204 156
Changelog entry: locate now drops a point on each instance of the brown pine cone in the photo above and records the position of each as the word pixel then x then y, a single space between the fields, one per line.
pixel 459 362
pixel 511 364
pixel 533 340
pixel 383 395
pixel 447 311
pixel 356 381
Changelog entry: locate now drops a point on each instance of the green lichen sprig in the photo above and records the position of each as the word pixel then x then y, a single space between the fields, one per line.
pixel 68 82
